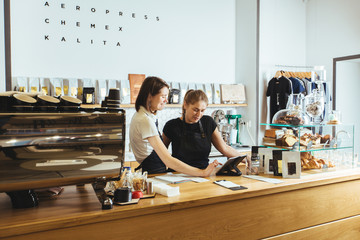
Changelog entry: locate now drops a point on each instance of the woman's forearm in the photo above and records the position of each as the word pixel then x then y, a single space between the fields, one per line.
pixel 180 166
pixel 231 152
pixel 172 162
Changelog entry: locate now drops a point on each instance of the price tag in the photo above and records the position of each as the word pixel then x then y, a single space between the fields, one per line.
pixel 332 143
pixel 309 145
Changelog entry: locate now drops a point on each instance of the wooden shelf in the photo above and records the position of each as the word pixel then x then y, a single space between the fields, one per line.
pixel 168 105
pixel 229 105
pixel 90 105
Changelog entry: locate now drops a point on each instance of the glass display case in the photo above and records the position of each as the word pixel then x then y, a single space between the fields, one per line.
pixel 321 147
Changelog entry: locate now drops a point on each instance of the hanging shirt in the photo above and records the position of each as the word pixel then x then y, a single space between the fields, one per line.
pixel 297 85
pixel 308 85
pixel 278 90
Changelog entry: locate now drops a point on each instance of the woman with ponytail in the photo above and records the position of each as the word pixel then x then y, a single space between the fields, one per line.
pixel 192 134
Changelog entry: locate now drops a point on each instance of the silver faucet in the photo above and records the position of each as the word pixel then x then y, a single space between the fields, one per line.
pixel 338 141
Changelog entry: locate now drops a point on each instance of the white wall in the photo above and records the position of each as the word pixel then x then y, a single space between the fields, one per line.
pixel 246 61
pixel 2 49
pixel 333 30
pixel 282 32
pixel 347 95
pixel 282 42
pixel 194 41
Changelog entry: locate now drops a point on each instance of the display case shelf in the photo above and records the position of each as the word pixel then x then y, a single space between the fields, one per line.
pixel 327 147
pixel 305 138
pixel 305 150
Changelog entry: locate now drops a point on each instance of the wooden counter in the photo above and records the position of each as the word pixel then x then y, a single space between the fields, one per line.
pixel 321 206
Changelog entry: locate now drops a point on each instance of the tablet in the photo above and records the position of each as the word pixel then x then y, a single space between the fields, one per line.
pixel 229 168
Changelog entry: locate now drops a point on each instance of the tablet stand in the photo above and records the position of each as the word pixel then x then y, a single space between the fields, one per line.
pixel 230 167
pixel 228 171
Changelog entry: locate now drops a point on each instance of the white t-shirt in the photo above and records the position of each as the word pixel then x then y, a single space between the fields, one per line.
pixel 142 126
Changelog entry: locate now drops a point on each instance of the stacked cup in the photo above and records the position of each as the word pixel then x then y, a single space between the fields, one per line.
pixel 112 101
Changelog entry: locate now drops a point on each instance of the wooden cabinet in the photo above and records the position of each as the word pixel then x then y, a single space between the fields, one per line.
pixel 316 207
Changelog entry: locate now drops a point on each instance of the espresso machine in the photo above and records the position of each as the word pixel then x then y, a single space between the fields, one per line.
pixel 51 149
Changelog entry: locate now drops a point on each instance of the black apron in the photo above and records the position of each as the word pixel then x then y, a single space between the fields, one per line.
pixel 152 163
pixel 194 148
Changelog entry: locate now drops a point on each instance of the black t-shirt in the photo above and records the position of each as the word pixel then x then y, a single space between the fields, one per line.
pixel 278 90
pixel 187 145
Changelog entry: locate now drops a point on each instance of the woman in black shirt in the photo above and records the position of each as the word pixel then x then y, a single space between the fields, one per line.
pixel 193 133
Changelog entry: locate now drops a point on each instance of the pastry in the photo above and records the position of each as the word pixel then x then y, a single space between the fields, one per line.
pixel 314 108
pixel 314 164
pixel 275 133
pixel 322 161
pixel 316 139
pixel 293 119
pixel 326 138
pixel 271 133
pixel 286 140
pixel 279 141
pixel 290 119
pixel 290 140
pixel 304 140
pixel 334 121
pixel 308 161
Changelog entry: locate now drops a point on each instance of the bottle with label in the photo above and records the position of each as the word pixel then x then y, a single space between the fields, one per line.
pixel 252 166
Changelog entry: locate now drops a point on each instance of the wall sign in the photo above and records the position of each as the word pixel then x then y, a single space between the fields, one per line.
pixel 75 28
pixel 177 40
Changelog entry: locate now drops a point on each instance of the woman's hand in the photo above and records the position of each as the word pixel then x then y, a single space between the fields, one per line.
pixel 210 168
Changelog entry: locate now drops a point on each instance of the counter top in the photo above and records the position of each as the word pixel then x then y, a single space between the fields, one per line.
pixel 78 205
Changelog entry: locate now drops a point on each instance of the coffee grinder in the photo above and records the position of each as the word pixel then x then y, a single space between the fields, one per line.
pixel 236 127
pixel 224 128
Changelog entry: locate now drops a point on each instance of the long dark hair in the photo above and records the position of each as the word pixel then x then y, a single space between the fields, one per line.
pixel 152 86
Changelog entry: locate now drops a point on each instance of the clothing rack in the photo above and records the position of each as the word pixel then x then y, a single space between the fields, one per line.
pixel 291 66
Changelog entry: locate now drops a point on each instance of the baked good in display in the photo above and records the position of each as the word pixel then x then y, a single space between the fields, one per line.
pixel 308 161
pixel 304 140
pixel 314 109
pixel 277 133
pixel 307 138
pixel 334 121
pixel 316 139
pixel 290 119
pixel 271 133
pixel 286 140
pixel 325 139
